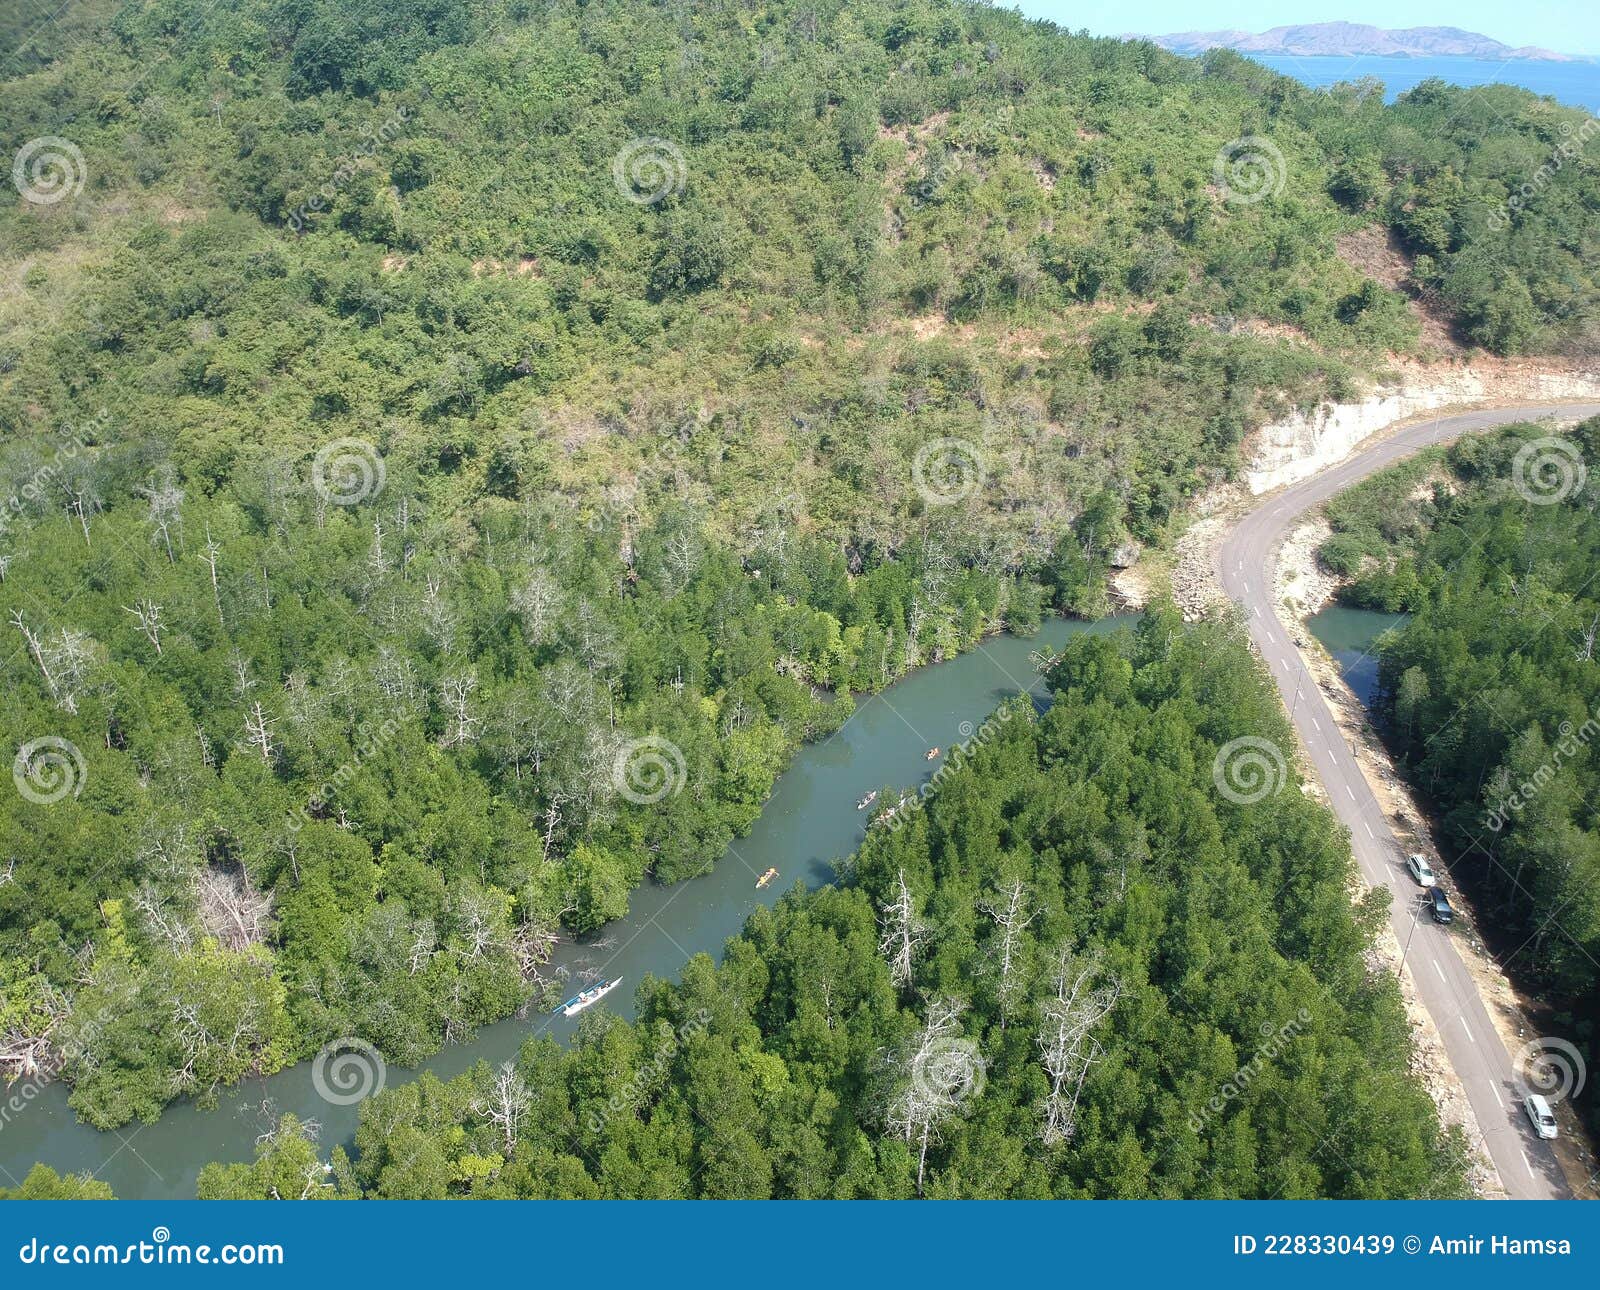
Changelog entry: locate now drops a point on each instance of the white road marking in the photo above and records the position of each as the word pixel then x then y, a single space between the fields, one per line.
pixel 1439 970
pixel 1467 1032
pixel 1495 1089
pixel 1247 588
pixel 1316 725
pixel 1368 828
pixel 1529 1164
pixel 1351 791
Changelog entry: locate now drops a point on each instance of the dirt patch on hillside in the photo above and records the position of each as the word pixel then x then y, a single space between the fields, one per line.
pixel 1376 252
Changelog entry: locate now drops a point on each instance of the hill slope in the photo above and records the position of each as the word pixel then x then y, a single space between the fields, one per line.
pixel 453 453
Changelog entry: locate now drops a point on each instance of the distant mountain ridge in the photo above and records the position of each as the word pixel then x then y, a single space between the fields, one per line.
pixel 1351 38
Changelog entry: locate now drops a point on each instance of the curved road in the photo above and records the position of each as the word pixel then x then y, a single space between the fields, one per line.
pixel 1247 566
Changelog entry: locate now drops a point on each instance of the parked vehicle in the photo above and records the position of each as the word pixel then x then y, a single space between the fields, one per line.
pixel 1540 1115
pixel 1420 869
pixel 1442 913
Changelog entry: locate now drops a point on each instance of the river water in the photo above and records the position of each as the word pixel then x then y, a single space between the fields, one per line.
pixel 1349 635
pixel 809 822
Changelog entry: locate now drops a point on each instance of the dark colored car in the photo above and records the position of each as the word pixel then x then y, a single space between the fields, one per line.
pixel 1442 913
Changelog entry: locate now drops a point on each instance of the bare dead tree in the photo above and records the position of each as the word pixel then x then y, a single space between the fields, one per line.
pixel 34 1045
pixel 455 696
pixel 258 731
pixel 231 909
pixel 396 682
pixel 537 601
pixel 149 615
pixel 424 939
pixel 35 648
pixel 1011 911
pixel 166 513
pixel 1065 1041
pixel 71 654
pixel 243 682
pixel 213 552
pixel 83 502
pixel 505 1104
pixel 479 922
pixel 901 933
pixel 438 619
pixel 682 557
pixel 935 1073
pixel 165 921
pixel 63 661
pixel 1586 653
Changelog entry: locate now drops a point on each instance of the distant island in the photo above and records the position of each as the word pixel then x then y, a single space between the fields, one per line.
pixel 1346 39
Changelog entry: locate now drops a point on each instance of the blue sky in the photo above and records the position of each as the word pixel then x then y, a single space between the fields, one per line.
pixel 1567 26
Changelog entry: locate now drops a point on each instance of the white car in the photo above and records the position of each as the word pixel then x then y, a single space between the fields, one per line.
pixel 1420 869
pixel 1540 1116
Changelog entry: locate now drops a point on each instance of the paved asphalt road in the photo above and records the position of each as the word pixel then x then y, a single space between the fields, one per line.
pixel 1247 566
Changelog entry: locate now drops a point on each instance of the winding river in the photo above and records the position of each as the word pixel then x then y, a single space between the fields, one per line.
pixel 809 821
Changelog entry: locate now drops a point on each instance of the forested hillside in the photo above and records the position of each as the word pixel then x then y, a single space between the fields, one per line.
pixel 1491 693
pixel 1083 971
pixel 452 453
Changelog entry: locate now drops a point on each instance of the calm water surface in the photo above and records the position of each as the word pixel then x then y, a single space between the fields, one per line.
pixel 809 822
pixel 1349 635
pixel 1575 84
